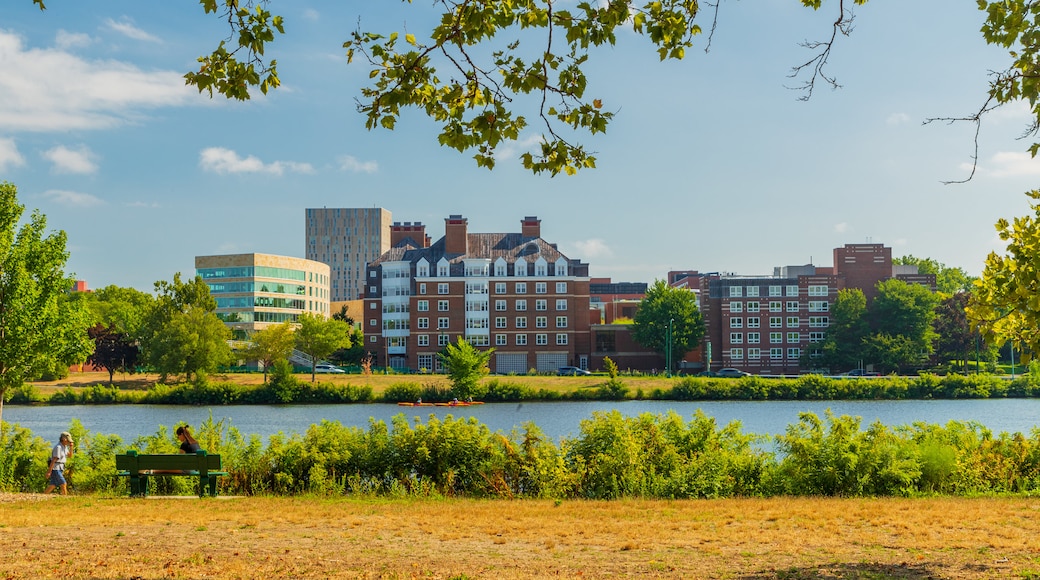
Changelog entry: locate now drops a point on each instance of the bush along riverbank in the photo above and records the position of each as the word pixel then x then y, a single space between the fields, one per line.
pixel 649 456
pixel 289 389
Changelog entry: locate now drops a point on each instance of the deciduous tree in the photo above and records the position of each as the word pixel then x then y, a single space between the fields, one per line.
pixel 113 350
pixel 318 337
pixel 664 306
pixel 465 365
pixel 842 348
pixel 948 280
pixel 271 344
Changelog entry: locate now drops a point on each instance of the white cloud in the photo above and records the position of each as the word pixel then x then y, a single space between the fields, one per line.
pixel 223 161
pixel 594 248
pixel 67 160
pixel 352 164
pixel 72 198
pixel 512 149
pixel 53 90
pixel 311 14
pixel 9 155
pixel 65 39
pixel 125 27
pixel 897 119
pixel 152 204
pixel 1013 164
pixel 841 228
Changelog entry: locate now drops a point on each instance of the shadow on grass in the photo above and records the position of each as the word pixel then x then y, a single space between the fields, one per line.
pixel 876 571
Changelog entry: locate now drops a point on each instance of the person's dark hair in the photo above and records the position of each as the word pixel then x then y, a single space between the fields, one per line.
pixel 183 430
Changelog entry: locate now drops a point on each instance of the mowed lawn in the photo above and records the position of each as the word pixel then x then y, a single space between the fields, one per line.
pixel 262 537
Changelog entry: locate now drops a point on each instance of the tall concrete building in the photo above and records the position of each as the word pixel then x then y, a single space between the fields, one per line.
pixel 347 239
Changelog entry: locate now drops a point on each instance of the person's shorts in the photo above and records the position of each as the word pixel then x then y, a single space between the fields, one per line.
pixel 57 477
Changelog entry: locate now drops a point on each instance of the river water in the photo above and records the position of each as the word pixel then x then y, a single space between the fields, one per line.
pixel 555 419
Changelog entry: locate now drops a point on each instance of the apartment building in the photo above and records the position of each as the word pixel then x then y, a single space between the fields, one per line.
pixel 346 239
pixel 254 291
pixel 514 292
pixel 763 324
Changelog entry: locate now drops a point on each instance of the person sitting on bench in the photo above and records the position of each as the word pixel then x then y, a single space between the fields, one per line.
pixel 188 443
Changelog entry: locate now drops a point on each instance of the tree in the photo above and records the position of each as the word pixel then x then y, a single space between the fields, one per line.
pixel 465 365
pixel 318 337
pixel 475 100
pixel 113 350
pixel 901 319
pixel 39 327
pixel 949 281
pixel 956 336
pixel 843 349
pixel 1005 304
pixel 271 344
pixel 181 333
pixel 122 308
pixel 353 354
pixel 663 306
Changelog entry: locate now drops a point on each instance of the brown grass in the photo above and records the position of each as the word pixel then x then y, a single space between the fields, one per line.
pixel 314 538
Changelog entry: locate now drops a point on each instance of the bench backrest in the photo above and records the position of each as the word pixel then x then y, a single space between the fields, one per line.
pixel 201 461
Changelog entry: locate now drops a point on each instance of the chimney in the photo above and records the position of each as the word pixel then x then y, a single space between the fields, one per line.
pixel 531 227
pixel 455 237
pixel 399 232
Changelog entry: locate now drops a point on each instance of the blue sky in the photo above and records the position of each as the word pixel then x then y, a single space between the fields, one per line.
pixel 711 163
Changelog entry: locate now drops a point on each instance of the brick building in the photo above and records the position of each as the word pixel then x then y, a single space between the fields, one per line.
pixel 515 292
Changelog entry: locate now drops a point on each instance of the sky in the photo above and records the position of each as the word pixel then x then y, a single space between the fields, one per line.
pixel 712 163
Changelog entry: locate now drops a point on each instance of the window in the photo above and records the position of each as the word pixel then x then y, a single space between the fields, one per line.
pixel 794 337
pixel 792 306
pixel 442 322
pixel 501 339
pixel 819 306
pixel 561 339
pixel 442 340
pixel 372 338
pixel 521 340
pixel 736 338
pixel 776 338
pixel 752 322
pixel 736 292
pixel 776 353
pixel 561 287
pixel 817 336
pixel 561 305
pixel 819 322
pixel 736 353
pixel 371 290
pixel 817 290
pixel 371 305
pixel 541 304
pixel 754 338
pixel 521 305
pixel 423 323
pixel 422 288
pixel 500 305
pixel 423 340
pixel 541 322
pixel 775 291
pixel 423 306
pixel 776 322
pixel 561 322
pixel 521 322
pixel 736 306
pixel 540 287
pixel 752 306
pixel 792 291
pixel 794 353
pixel 442 288
pixel 500 287
pixel 541 339
pixel 371 321
pixel 752 291
pixel 774 306
pixel 521 288
pixel 792 322
pixel 371 273
pixel 736 322
pixel 426 361
pixel 500 322
pixel 442 306
pixel 754 353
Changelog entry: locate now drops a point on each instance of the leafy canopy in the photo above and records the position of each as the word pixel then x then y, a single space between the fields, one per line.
pixel 465 365
pixel 661 306
pixel 318 337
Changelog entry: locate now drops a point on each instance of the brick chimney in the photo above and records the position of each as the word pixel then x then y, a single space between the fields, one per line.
pixel 455 237
pixel 531 227
pixel 417 231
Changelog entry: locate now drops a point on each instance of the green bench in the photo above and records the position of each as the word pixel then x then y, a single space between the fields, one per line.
pixel 139 467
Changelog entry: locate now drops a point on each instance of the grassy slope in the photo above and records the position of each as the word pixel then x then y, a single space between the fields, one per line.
pixel 309 537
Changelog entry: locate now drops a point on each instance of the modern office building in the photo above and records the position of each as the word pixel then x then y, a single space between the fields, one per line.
pixel 515 292
pixel 347 239
pixel 257 290
pixel 763 324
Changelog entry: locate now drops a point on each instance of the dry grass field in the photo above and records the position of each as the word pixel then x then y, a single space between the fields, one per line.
pixel 93 537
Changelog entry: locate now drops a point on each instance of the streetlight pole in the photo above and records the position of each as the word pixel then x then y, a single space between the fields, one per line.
pixel 668 359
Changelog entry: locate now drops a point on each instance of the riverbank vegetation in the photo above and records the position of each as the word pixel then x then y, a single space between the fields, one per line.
pixel 612 457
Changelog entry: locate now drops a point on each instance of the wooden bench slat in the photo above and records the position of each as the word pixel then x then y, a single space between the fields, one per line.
pixel 139 467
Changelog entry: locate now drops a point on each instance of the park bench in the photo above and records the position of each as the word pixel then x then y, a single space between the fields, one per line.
pixel 139 467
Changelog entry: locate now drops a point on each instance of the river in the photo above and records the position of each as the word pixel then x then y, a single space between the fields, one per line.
pixel 557 419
